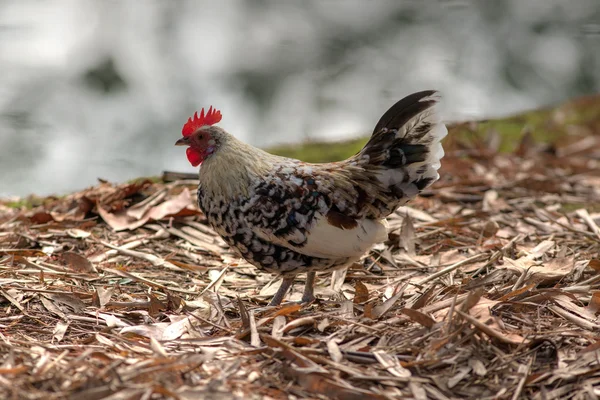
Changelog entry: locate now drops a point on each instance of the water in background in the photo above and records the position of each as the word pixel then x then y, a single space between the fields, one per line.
pixel 101 88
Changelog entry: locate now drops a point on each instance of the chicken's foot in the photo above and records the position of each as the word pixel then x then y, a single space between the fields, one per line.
pixel 285 285
pixel 308 295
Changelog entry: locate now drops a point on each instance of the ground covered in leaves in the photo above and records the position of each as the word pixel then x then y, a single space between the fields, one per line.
pixel 488 287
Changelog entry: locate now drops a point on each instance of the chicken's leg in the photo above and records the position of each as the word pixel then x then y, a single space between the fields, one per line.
pixel 285 285
pixel 308 295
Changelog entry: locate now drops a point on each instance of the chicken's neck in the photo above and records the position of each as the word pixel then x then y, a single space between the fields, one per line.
pixel 231 170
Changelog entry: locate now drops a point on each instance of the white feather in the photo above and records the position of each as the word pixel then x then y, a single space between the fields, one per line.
pixel 432 139
pixel 324 240
pixel 327 241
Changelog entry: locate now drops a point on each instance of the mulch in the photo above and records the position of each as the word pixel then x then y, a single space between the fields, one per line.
pixel 488 288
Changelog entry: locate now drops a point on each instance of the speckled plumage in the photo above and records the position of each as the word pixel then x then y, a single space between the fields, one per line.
pixel 286 216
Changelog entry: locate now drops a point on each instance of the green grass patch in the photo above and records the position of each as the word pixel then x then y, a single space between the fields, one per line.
pixel 545 126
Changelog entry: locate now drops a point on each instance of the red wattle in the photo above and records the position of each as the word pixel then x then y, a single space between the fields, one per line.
pixel 194 156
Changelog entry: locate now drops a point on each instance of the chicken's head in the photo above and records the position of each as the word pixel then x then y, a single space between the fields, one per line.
pixel 200 136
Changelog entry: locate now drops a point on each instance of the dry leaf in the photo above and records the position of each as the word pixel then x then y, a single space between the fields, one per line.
pixel 334 351
pixel 78 262
pixel 595 264
pixel 419 317
pixel 594 305
pixel 407 236
pixel 361 293
pixel 495 226
pixel 391 364
pixel 60 330
pixel 481 315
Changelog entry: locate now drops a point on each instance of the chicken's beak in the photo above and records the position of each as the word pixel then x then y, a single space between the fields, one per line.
pixel 184 141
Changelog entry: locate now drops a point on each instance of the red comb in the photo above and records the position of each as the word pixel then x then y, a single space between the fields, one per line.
pixel 211 118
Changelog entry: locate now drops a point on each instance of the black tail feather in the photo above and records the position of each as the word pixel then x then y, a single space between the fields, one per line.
pixel 405 109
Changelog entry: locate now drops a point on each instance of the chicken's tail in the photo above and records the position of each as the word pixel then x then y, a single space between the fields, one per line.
pixel 404 152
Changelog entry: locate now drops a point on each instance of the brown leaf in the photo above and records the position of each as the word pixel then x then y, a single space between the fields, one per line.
pixel 41 217
pixel 65 302
pixel 423 298
pixel 290 353
pixel 285 310
pixel 594 346
pixel 243 313
pixel 361 293
pixel 122 192
pixel 181 204
pixel 419 317
pixel 174 302
pixel 407 236
pixel 380 310
pixel 490 228
pixel 314 378
pixel 102 296
pixel 320 383
pixel 472 299
pixel 594 264
pixel 19 254
pixel 78 262
pixel 156 306
pixel 51 307
pixel 546 272
pixel 594 305
pixel 59 331
pixel 518 292
pixel 299 322
pixel 15 370
pixel 119 221
pixel 189 267
pixel 137 211
pixel 480 315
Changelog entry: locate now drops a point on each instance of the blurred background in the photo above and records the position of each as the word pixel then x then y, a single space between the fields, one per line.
pixel 101 88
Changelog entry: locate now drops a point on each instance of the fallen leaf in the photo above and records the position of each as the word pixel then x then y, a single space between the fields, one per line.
pixel 361 293
pixel 319 383
pixel 181 204
pixel 407 236
pixel 119 221
pixel 158 348
pixel 59 330
pixel 545 272
pixel 177 329
pixel 337 279
pixel 391 364
pixel 594 264
pixel 78 233
pixel 78 262
pixel 480 315
pixel 334 351
pixel 459 376
pixel 594 305
pixel 419 317
pixel 41 217
pixel 155 331
pixel 380 310
pixel 103 295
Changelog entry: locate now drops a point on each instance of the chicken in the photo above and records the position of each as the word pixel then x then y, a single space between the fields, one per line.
pixel 286 216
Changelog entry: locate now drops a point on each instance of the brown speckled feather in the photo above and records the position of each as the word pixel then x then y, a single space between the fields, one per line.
pixel 287 216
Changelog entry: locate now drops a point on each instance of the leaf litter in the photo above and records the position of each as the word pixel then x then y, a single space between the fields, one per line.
pixel 488 287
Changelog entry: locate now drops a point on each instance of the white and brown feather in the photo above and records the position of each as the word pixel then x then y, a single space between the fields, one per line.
pixel 287 216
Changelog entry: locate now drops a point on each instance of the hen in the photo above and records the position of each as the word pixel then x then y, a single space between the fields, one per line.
pixel 286 216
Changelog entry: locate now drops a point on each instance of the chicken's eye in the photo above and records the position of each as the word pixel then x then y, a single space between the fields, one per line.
pixel 200 137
